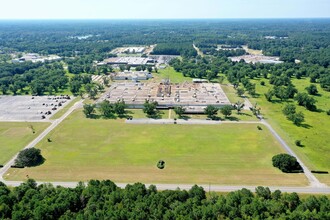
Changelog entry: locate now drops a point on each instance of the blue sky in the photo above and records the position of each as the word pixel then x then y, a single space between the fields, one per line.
pixel 154 9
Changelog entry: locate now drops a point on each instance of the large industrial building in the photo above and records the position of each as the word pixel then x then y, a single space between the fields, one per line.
pixel 134 76
pixel 257 59
pixel 34 57
pixel 193 96
pixel 132 61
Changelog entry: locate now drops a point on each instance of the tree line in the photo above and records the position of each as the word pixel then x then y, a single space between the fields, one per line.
pixel 105 200
pixel 34 78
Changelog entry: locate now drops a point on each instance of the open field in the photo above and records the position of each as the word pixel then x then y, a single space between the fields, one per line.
pixel 231 93
pixel 15 135
pixel 84 149
pixel 251 51
pixel 314 134
pixel 169 72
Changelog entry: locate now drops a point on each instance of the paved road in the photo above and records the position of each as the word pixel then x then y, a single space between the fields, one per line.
pixel 53 125
pixel 207 187
pixel 14 120
pixel 314 182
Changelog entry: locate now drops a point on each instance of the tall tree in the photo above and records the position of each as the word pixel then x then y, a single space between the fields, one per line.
pixel 89 109
pixel 211 111
pixel 150 108
pixel 179 110
pixel 226 110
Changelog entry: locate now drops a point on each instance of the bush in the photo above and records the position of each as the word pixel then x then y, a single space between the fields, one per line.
pixel 161 164
pixel 29 157
pixel 286 163
pixel 298 143
pixel 262 83
pixel 259 128
pixel 328 112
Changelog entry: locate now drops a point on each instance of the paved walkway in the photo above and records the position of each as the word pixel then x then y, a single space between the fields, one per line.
pixel 314 182
pixel 207 187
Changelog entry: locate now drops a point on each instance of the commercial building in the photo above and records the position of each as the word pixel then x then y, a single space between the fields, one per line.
pixel 193 96
pixel 134 76
pixel 132 61
pixel 34 57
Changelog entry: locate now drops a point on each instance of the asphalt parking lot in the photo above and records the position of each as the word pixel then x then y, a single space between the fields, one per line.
pixel 30 108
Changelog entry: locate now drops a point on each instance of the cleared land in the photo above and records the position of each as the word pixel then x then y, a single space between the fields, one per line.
pixel 83 149
pixel 251 51
pixel 15 135
pixel 169 72
pixel 314 133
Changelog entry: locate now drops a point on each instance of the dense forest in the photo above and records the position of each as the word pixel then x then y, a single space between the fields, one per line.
pixel 184 49
pixel 304 39
pixel 34 78
pixel 105 200
pixel 81 43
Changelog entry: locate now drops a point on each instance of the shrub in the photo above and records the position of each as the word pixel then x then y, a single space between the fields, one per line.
pixel 259 128
pixel 29 157
pixel 262 83
pixel 286 163
pixel 328 112
pixel 298 143
pixel 161 164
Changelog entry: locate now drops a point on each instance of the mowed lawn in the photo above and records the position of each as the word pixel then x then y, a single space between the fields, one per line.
pixel 170 73
pixel 315 132
pixel 83 149
pixel 14 136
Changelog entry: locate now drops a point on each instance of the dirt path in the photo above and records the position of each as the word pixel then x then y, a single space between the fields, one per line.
pixel 199 52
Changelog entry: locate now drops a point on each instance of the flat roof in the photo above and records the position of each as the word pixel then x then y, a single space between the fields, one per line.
pixel 183 94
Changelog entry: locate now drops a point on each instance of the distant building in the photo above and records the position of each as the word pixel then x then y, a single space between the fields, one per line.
pixel 257 59
pixel 34 57
pixel 200 81
pixel 134 76
pixel 132 61
pixel 134 50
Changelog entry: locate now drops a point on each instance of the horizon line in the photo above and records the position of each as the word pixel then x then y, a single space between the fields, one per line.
pixel 234 18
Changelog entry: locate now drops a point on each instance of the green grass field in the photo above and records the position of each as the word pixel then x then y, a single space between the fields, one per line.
pixel 314 134
pixel 169 72
pixel 15 135
pixel 83 149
